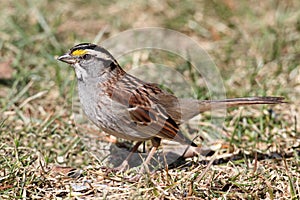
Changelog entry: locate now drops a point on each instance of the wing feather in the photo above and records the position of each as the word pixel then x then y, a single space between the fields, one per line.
pixel 146 114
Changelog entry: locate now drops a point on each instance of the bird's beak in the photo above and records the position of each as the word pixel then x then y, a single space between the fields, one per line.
pixel 67 58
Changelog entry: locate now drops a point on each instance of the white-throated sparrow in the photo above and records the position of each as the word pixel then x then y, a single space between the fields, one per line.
pixel 129 108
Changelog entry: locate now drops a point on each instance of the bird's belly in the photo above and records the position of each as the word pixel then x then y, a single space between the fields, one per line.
pixel 111 117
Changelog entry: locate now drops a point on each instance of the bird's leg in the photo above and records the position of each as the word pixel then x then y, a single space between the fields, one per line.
pixel 125 164
pixel 155 144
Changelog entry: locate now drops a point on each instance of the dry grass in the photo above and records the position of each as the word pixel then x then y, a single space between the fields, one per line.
pixel 255 46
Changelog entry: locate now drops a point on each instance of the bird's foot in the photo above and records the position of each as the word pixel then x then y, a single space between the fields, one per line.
pixel 121 168
pixel 134 179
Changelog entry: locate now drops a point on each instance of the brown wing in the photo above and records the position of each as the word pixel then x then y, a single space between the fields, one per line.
pixel 146 114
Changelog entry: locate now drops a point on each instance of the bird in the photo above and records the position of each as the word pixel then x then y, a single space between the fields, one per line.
pixel 127 107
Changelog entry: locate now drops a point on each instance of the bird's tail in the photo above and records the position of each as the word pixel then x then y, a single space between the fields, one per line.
pixel 228 103
pixel 195 106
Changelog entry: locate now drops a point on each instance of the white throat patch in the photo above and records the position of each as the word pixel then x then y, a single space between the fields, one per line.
pixel 81 73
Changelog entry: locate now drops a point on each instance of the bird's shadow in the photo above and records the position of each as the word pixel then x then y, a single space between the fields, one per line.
pixel 173 160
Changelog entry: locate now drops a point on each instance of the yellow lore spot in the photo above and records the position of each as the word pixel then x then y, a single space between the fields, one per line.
pixel 79 52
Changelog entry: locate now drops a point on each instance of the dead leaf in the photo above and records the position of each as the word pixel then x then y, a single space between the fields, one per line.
pixel 6 70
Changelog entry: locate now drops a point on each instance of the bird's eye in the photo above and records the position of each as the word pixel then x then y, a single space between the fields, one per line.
pixel 87 56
